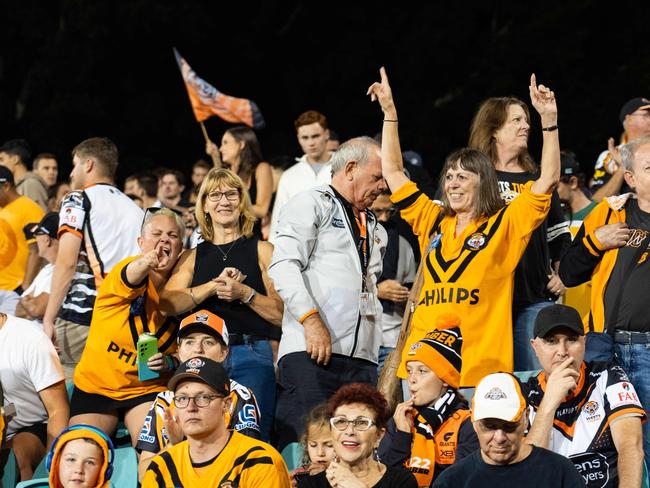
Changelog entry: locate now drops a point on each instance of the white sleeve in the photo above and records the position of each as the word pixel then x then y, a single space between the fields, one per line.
pixel 43 364
pixel 296 236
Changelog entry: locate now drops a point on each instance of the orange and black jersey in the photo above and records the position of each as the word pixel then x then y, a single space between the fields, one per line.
pixel 122 311
pixel 243 462
pixel 582 425
pixel 471 274
pixel 426 451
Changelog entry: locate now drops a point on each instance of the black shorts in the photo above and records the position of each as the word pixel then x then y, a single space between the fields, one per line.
pixel 82 403
pixel 39 430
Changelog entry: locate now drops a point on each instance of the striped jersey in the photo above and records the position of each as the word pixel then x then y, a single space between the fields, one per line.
pixel 582 425
pixel 108 222
pixel 243 462
pixel 471 274
pixel 243 417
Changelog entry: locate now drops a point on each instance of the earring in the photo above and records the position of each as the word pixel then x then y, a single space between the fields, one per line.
pixel 375 454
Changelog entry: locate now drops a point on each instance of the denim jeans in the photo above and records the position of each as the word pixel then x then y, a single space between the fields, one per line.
pixel 524 322
pixel 252 366
pixel 635 360
pixel 383 354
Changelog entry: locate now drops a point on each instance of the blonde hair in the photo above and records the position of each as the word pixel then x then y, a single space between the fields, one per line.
pixel 215 178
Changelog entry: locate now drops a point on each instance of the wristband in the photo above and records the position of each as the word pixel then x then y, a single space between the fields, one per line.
pixel 550 129
pixel 250 298
pixel 192 297
pixel 391 120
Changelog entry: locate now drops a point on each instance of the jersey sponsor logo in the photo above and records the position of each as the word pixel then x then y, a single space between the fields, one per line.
pixel 338 223
pixel 476 241
pixel 248 414
pixel 495 393
pixel 145 432
pixel 621 394
pixel 449 294
pixel 72 217
pixel 129 357
pixel 593 467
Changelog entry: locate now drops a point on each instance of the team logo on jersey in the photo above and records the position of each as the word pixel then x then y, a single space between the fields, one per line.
pixel 590 409
pixel 476 241
pixel 194 363
pixel 447 436
pixel 495 393
pixel 338 223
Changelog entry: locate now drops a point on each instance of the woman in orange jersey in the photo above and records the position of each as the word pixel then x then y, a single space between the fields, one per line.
pixel 470 244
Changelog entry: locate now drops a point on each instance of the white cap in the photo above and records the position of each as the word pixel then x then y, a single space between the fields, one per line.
pixel 498 396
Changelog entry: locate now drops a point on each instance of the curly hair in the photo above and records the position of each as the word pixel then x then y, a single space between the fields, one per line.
pixel 364 394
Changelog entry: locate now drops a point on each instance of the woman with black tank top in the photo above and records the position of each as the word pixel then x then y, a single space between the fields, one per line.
pixel 241 153
pixel 227 274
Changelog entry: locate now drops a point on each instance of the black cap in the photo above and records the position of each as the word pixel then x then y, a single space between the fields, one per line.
pixel 555 316
pixel 48 226
pixel 632 106
pixel 570 167
pixel 204 370
pixel 6 175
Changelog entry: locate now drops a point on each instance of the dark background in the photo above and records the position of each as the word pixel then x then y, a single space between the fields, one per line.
pixel 72 69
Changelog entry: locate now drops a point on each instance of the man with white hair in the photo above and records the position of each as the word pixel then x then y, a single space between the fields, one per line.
pixel 327 258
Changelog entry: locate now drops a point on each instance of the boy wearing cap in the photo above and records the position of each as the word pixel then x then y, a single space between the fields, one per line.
pixel 432 430
pixel 498 416
pixel 212 455
pixel 588 412
pixel 203 334
pixel 608 171
pixel 34 299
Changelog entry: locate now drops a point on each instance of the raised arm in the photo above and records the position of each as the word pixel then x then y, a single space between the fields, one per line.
pixel 392 166
pixel 543 99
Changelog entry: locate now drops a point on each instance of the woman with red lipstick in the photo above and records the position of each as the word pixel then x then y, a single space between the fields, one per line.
pixel 433 429
pixel 358 416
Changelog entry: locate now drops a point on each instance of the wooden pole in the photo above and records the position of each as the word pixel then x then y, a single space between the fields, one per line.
pixel 205 132
pixel 389 384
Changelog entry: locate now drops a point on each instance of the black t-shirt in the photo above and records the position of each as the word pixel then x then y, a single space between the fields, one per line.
pixel 633 310
pixel 393 478
pixel 542 468
pixel 547 243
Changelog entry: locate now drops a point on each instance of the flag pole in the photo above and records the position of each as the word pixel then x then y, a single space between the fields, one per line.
pixel 205 132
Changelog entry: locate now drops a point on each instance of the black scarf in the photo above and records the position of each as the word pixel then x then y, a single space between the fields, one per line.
pixel 436 414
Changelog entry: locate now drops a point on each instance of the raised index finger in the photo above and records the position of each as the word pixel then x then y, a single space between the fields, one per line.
pixel 382 73
pixel 533 81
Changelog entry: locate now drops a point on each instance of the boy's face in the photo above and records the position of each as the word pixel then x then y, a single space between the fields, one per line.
pixel 80 464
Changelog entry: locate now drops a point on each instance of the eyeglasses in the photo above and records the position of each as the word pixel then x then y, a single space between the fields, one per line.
pixel 359 424
pixel 200 401
pixel 231 195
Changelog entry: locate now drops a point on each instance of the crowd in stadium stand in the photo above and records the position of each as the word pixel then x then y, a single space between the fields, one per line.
pixel 333 321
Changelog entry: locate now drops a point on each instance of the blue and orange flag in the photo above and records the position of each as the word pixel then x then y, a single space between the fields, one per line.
pixel 208 101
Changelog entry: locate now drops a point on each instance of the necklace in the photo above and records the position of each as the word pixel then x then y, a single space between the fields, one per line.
pixel 225 254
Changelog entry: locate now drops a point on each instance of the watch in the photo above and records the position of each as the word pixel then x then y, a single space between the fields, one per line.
pixel 250 298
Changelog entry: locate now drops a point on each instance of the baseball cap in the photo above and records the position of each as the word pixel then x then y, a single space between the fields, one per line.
pixel 498 396
pixel 569 164
pixel 440 349
pixel 48 226
pixel 6 175
pixel 204 370
pixel 557 315
pixel 632 106
pixel 204 320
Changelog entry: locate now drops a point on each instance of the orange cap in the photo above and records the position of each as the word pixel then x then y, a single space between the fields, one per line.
pixel 205 319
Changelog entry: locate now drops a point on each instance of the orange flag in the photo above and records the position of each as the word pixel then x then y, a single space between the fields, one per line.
pixel 208 101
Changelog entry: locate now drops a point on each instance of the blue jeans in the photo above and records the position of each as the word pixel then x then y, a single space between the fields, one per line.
pixel 252 366
pixel 524 322
pixel 635 360
pixel 383 354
